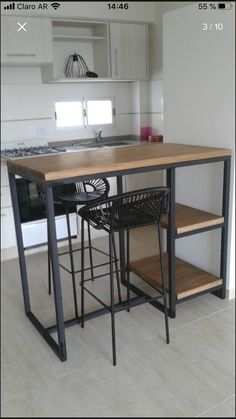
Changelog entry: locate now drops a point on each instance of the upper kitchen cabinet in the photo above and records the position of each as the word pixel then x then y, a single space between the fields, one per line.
pixel 26 41
pixel 88 39
pixel 128 47
pixel 114 51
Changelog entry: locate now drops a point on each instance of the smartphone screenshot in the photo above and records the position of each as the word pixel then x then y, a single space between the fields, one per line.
pixel 118 189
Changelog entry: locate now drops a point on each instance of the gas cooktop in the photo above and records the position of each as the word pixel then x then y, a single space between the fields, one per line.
pixel 41 150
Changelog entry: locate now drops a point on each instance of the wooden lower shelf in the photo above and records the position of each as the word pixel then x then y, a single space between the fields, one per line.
pixel 189 279
pixel 190 219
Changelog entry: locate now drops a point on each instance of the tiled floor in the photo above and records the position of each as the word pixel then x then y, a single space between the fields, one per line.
pixel 193 376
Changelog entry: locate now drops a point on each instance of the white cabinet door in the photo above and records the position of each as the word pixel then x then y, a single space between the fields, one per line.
pixel 8 237
pixel 4 174
pixel 26 40
pixel 128 51
pixel 5 197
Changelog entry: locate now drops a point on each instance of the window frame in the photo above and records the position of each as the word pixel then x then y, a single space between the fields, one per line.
pixel 69 127
pixel 96 99
pixel 85 125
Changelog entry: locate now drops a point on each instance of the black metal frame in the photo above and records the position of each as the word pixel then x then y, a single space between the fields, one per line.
pixel 60 346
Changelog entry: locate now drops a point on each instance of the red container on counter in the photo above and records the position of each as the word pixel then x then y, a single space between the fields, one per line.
pixel 155 138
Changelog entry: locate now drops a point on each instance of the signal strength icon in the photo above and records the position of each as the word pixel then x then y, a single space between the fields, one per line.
pixel 9 7
pixel 55 5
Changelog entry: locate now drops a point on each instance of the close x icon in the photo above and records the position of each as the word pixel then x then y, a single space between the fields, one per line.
pixel 22 27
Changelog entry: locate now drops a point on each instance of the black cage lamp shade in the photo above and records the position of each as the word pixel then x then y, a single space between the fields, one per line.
pixel 76 67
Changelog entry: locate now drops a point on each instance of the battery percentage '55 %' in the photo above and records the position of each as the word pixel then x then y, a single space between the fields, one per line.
pixel 213 26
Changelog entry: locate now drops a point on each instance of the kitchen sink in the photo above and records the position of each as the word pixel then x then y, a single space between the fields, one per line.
pixel 117 143
pixel 92 145
pixel 107 144
pixel 95 145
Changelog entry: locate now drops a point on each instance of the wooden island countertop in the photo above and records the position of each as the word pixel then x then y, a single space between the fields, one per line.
pixel 84 163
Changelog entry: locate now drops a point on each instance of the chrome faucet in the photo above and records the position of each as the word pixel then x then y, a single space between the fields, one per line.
pixel 99 136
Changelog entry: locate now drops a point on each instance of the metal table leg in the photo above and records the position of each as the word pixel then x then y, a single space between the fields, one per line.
pixel 224 232
pixel 20 245
pixel 56 273
pixel 60 347
pixel 171 241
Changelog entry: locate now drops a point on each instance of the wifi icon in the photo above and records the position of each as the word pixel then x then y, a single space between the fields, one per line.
pixel 55 5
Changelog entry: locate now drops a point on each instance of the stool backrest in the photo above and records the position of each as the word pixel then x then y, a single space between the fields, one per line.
pixel 85 187
pixel 130 210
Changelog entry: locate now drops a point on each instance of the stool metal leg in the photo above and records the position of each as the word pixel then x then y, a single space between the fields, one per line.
pixel 163 286
pixel 90 252
pixel 116 268
pixel 127 268
pixel 111 241
pixel 82 273
pixel 71 262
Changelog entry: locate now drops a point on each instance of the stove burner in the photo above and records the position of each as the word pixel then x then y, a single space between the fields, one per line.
pixel 31 151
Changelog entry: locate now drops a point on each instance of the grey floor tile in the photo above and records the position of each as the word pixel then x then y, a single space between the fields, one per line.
pixel 225 409
pixel 192 376
pixel 197 367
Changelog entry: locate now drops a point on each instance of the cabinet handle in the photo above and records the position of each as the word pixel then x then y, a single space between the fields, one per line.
pixel 116 61
pixel 21 55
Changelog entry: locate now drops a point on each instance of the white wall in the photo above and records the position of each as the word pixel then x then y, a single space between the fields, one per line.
pixel 28 106
pixel 199 109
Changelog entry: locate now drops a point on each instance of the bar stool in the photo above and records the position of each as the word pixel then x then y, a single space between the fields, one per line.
pixel 69 195
pixel 123 213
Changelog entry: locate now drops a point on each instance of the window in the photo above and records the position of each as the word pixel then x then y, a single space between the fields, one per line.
pixel 99 112
pixel 69 114
pixel 84 113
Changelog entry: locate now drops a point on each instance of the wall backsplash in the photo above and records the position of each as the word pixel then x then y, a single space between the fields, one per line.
pixel 28 106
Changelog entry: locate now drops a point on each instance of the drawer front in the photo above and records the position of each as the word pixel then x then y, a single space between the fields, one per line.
pixel 8 237
pixel 5 197
pixel 4 174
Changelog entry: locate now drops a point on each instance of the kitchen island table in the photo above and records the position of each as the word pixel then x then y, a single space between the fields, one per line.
pixel 183 280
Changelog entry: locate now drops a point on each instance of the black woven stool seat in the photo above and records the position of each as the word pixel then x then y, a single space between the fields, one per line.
pixel 80 198
pixel 80 193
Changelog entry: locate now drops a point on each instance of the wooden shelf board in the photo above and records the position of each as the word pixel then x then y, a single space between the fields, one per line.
pixel 190 219
pixel 189 279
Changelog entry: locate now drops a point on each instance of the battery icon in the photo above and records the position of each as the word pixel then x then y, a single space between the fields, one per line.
pixel 226 6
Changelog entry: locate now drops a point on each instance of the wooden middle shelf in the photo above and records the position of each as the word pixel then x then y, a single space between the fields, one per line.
pixel 189 279
pixel 190 219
